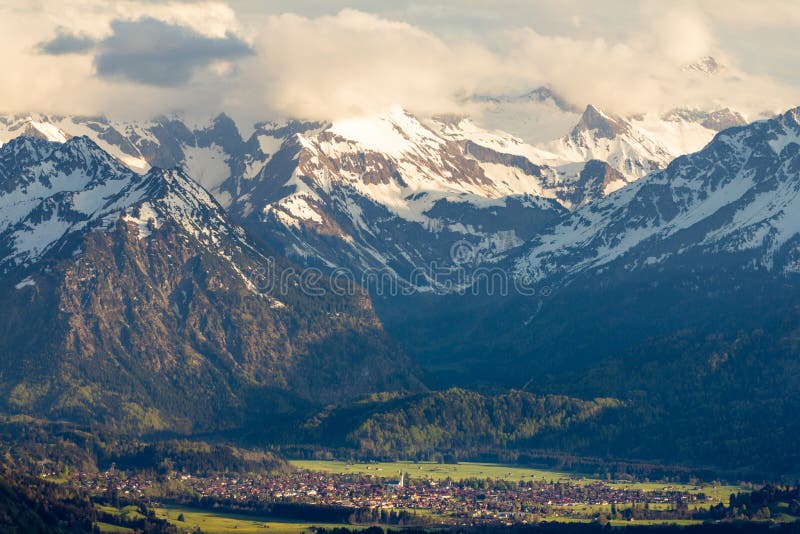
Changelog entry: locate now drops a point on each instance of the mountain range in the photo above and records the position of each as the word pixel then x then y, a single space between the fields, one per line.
pixel 392 193
pixel 661 252
pixel 676 294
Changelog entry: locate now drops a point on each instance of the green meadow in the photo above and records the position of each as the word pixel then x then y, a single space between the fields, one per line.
pixel 434 471
pixel 212 522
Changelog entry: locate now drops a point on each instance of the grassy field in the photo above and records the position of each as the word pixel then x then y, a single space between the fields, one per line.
pixel 105 527
pixel 622 523
pixel 129 512
pixel 463 470
pixel 434 471
pixel 217 523
pixel 715 494
pixel 652 522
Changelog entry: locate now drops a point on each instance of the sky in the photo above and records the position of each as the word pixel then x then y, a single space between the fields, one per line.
pixel 325 60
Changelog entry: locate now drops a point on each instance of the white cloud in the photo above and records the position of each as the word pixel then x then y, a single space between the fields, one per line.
pixel 749 14
pixel 34 81
pixel 353 62
pixel 645 70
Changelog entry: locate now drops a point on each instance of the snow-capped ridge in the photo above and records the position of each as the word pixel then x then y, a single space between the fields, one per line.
pixel 640 144
pixel 540 94
pixel 706 65
pixel 23 150
pixel 39 126
pixel 716 120
pixel 739 195
pixel 54 190
pixel 601 124
pixel 394 133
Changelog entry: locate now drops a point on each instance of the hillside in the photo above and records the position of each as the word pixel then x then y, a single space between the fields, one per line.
pixel 140 306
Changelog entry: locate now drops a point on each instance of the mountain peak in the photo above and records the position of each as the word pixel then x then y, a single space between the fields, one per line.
pixel 26 144
pixel 793 116
pixel 707 65
pixel 394 133
pixel 160 182
pixel 594 120
pixel 716 120
pixel 542 94
pixel 38 126
pixel 22 152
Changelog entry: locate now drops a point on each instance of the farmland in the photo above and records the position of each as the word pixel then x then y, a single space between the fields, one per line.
pixel 213 522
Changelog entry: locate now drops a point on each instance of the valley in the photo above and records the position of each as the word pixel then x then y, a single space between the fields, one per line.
pixel 416 494
pixel 273 268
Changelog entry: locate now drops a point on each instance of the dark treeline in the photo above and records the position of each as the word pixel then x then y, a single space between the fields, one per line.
pixel 40 447
pixel 309 512
pixel 190 457
pixel 765 503
pixel 454 425
pixel 457 419
pixel 728 401
pixel 447 423
pixel 587 528
pixel 30 505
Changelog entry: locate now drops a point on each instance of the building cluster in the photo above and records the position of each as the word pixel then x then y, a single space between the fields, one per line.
pixel 471 499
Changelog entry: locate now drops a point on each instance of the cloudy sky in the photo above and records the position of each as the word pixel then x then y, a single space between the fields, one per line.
pixel 321 59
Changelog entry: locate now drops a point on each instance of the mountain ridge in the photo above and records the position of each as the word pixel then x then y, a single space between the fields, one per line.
pixel 148 312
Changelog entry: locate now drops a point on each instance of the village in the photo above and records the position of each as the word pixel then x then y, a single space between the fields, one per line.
pixel 471 500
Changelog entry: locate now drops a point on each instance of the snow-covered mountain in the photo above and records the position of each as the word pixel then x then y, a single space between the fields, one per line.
pixel 392 168
pixel 737 199
pixel 52 190
pixel 570 183
pixel 126 294
pixel 687 278
pixel 537 115
pixel 391 192
pixel 602 137
pixel 214 154
pixel 639 145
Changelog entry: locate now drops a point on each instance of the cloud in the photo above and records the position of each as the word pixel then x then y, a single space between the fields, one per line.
pixel 354 62
pixel 746 14
pixel 66 43
pixel 153 52
pixel 147 58
pixel 32 81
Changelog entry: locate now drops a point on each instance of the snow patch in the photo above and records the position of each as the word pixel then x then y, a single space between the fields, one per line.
pixel 269 144
pixel 293 209
pixel 393 134
pixel 146 218
pixel 782 141
pixel 50 132
pixel 27 282
pixel 207 166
